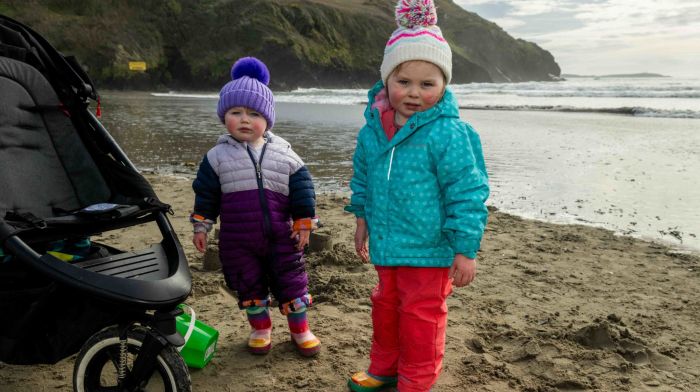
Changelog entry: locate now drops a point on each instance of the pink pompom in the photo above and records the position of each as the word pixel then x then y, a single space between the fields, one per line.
pixel 416 13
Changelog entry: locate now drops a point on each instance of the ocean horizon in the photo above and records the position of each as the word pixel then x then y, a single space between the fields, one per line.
pixel 665 97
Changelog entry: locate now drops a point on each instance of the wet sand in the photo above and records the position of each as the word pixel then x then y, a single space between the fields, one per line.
pixel 553 308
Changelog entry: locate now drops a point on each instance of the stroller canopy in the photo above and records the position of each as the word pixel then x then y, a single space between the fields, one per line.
pixel 45 165
pixel 54 155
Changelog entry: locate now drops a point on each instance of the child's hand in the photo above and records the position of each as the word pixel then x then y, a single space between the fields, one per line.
pixel 463 270
pixel 200 241
pixel 361 236
pixel 302 237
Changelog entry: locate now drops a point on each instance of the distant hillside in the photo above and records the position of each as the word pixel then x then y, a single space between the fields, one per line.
pixel 191 44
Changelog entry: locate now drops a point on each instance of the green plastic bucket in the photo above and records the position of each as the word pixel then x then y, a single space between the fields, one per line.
pixel 200 339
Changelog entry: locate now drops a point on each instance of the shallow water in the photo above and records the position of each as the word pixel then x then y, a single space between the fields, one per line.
pixel 635 175
pixel 173 134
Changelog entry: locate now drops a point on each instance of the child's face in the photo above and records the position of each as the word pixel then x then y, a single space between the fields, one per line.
pixel 414 86
pixel 245 124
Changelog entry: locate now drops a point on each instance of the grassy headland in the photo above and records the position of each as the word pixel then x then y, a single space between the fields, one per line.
pixel 316 43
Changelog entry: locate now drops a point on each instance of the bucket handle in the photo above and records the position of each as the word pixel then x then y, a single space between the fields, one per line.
pixel 190 328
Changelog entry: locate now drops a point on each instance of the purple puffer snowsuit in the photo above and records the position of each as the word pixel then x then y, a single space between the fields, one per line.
pixel 257 198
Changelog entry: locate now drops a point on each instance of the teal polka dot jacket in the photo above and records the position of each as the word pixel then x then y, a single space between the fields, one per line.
pixel 422 193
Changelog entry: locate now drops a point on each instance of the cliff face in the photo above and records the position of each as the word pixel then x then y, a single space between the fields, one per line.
pixel 313 43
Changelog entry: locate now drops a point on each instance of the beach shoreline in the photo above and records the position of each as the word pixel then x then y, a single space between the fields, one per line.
pixel 630 174
pixel 554 307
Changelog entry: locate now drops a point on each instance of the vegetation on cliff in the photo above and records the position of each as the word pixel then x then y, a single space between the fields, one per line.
pixel 191 44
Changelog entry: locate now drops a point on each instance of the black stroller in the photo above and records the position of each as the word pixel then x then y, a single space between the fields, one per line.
pixel 64 179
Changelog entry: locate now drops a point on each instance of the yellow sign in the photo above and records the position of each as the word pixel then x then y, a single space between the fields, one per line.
pixel 137 66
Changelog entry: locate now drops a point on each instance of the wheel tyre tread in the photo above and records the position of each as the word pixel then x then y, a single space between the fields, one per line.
pixel 169 355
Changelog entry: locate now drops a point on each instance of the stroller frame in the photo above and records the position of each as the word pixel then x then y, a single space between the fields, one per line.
pixel 144 285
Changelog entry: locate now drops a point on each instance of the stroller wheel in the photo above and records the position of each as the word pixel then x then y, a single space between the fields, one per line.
pixel 97 365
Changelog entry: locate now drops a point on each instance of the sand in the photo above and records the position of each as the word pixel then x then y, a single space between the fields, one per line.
pixel 554 307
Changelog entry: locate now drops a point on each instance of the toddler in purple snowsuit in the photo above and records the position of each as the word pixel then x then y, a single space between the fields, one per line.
pixel 265 197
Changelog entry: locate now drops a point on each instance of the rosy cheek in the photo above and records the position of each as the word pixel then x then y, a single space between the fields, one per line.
pixel 431 99
pixel 395 97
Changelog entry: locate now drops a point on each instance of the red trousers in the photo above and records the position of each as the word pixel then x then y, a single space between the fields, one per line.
pixel 409 317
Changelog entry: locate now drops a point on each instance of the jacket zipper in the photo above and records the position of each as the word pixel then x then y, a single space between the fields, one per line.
pixel 391 161
pixel 267 226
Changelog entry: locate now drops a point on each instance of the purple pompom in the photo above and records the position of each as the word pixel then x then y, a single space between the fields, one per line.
pixel 251 67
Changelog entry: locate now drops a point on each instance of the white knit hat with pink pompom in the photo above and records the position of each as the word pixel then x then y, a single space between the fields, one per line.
pixel 417 38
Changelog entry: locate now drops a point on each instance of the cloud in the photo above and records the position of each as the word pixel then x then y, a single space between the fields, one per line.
pixel 509 23
pixel 604 36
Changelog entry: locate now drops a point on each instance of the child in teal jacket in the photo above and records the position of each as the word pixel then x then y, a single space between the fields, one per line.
pixel 418 192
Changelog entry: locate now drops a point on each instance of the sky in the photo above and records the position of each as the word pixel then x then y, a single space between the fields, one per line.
pixel 602 37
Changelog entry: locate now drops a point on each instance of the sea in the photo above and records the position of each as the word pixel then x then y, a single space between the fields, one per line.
pixel 619 153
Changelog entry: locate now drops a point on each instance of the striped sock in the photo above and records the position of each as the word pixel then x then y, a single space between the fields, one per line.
pixel 299 326
pixel 260 339
pixel 306 342
pixel 259 317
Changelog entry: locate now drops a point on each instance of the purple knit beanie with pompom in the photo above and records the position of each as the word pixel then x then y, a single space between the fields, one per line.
pixel 248 88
